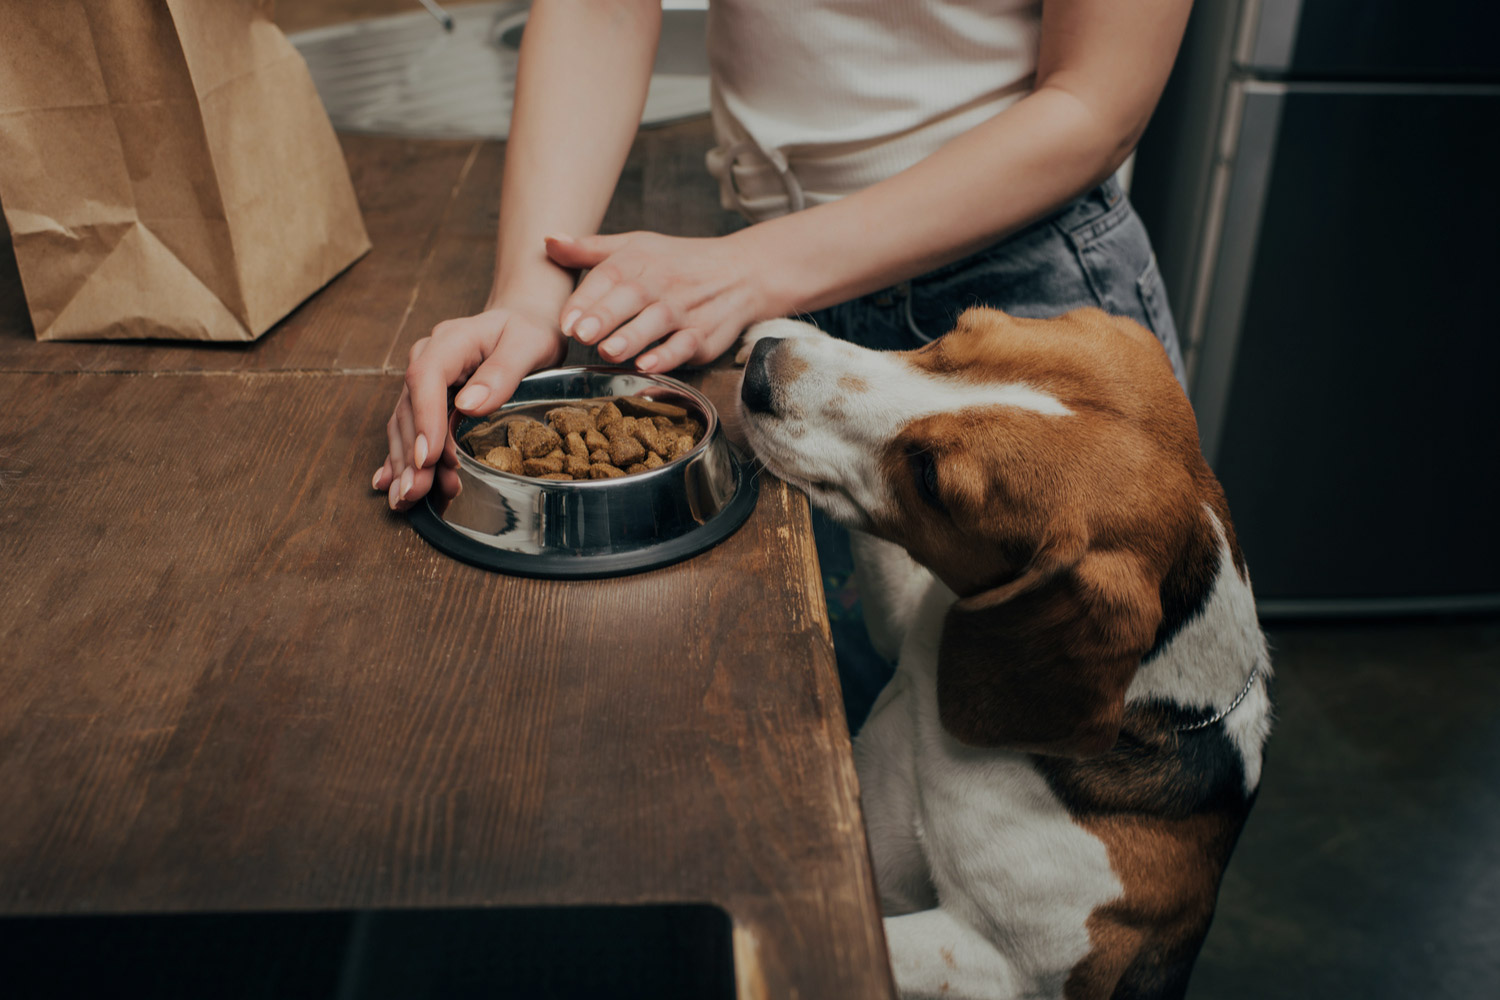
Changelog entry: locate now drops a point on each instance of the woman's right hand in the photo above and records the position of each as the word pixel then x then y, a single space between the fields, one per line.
pixel 490 352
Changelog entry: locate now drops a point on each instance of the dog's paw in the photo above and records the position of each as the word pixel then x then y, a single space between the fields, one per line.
pixel 757 332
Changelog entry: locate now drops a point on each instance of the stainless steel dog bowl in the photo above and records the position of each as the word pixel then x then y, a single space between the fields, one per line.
pixel 605 527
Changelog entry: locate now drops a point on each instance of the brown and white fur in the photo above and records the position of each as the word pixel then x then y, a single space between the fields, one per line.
pixel 1066 595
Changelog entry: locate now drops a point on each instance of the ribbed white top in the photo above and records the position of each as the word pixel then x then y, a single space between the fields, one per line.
pixel 844 93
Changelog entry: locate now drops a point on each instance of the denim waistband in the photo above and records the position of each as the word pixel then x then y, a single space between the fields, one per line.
pixel 1094 208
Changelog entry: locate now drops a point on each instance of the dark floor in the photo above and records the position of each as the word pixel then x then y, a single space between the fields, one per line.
pixel 1370 867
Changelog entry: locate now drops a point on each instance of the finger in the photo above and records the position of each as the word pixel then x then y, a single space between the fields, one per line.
pixel 413 486
pixel 450 454
pixel 675 350
pixel 454 350
pixel 448 483
pixel 397 457
pixel 586 251
pixel 616 306
pixel 407 428
pixel 650 325
pixel 594 286
pixel 502 371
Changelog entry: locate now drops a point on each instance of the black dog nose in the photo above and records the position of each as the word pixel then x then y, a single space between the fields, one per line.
pixel 755 386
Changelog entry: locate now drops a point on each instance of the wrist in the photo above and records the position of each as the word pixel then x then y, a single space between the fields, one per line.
pixel 772 269
pixel 539 288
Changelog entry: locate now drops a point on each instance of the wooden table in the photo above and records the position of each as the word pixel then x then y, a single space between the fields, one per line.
pixel 233 681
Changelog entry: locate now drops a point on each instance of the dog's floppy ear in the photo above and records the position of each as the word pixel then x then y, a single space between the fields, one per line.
pixel 1042 663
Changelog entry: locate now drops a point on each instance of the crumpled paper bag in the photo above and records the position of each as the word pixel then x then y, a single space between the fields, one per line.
pixel 166 169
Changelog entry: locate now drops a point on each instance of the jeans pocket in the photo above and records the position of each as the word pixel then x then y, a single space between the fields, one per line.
pixel 1034 274
pixel 1153 295
pixel 1158 312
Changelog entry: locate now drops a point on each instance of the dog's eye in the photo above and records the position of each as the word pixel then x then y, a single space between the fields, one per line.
pixel 924 473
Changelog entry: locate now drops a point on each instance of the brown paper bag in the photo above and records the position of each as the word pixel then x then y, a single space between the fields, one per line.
pixel 166 169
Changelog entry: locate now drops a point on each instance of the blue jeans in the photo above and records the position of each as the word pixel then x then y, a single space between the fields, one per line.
pixel 1092 252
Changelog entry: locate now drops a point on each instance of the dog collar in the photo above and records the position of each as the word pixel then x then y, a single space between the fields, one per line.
pixel 1219 716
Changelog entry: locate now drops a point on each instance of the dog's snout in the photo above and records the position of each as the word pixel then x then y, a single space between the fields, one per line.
pixel 755 386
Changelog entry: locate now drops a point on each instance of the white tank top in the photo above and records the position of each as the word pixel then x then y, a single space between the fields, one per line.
pixel 815 99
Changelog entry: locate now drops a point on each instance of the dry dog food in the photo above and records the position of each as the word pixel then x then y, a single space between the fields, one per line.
pixel 596 439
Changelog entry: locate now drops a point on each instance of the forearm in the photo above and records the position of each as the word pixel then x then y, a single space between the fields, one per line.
pixel 584 70
pixel 984 184
pixel 1100 71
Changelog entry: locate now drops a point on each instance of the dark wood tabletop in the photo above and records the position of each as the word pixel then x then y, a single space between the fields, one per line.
pixel 232 680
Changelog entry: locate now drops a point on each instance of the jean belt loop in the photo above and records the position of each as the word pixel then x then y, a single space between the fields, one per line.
pixel 795 200
pixel 777 160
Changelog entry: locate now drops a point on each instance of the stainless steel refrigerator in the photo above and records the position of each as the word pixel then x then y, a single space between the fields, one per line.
pixel 1322 182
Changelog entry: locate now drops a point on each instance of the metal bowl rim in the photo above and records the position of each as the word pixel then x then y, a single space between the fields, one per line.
pixel 476 467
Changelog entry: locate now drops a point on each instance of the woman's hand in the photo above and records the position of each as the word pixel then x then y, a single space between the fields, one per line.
pixel 688 297
pixel 493 351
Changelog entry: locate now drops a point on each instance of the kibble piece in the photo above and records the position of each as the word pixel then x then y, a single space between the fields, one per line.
pixel 573 445
pixel 637 467
pixel 602 470
pixel 653 460
pixel 576 466
pixel 616 433
pixel 569 419
pixel 625 450
pixel 594 439
pixel 534 440
pixel 662 422
pixel 559 476
pixel 647 434
pixel 493 433
pixel 542 466
pixel 692 428
pixel 503 458
pixel 599 455
pixel 607 414
pixel 681 445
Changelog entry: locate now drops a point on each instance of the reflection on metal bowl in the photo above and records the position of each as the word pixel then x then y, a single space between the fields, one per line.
pixel 604 527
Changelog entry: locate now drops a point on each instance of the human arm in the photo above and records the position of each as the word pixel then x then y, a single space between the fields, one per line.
pixel 581 84
pixel 1101 68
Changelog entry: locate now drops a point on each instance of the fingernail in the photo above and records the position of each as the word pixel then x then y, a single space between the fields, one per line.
pixel 375 479
pixel 612 346
pixel 569 320
pixel 421 450
pixel 472 396
pixel 393 495
pixel 648 361
pixel 407 478
pixel 587 328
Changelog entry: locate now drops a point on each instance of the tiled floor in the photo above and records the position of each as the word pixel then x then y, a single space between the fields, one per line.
pixel 1370 867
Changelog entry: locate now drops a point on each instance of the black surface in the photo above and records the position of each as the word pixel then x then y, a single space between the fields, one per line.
pixel 591 567
pixel 638 951
pixel 1370 866
pixel 863 672
pixel 1359 447
pixel 1397 40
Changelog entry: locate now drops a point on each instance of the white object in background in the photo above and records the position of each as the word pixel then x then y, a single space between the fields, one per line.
pixel 403 75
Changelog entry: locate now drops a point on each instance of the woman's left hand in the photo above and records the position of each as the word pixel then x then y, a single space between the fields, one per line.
pixel 684 299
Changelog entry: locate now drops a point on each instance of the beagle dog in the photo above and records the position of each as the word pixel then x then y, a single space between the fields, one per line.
pixel 1055 777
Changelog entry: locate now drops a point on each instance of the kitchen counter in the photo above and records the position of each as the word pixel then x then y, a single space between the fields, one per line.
pixel 234 681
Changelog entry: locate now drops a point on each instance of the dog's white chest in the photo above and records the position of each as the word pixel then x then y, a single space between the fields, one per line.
pixel 999 846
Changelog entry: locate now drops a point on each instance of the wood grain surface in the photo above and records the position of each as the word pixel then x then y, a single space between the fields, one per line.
pixel 234 681
pixel 230 679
